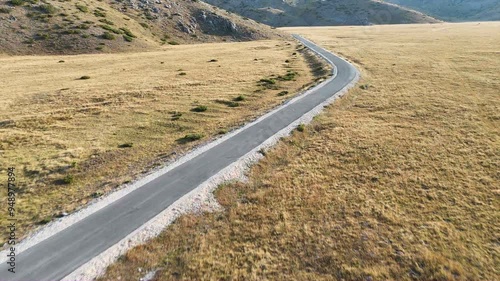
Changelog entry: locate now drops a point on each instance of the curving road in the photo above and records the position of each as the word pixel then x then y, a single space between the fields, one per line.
pixel 61 254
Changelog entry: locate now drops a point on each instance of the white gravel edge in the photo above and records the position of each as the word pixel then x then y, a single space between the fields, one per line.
pixel 198 200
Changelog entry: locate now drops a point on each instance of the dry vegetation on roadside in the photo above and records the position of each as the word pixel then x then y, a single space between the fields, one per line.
pixel 399 180
pixel 76 127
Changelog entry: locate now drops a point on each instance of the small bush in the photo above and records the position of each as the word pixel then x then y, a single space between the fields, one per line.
pixel 190 138
pixel 98 13
pixel 143 24
pixel 127 32
pixel 239 98
pixel 47 9
pixel 17 2
pixel 282 93
pixel 288 77
pixel 82 8
pixel 212 60
pixel 109 28
pixel 45 221
pixel 176 116
pixel 68 179
pixel 96 194
pixel 182 73
pixel 108 36
pixel 364 87
pixel 128 38
pixel 106 21
pixel 173 43
pixel 200 108
pixel 126 145
pixel 85 77
pixel 301 127
pixel 267 81
pixel 61 61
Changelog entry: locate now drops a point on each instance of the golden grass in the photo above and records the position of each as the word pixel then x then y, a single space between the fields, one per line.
pixel 70 138
pixel 396 181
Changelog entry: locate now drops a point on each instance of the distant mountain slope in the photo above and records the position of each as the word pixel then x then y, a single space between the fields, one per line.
pixel 320 12
pixel 89 26
pixel 456 10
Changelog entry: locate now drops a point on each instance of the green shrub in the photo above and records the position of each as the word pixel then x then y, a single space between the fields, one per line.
pixel 45 221
pixel 176 115
pixel 200 108
pixel 267 81
pixel 301 127
pixel 288 77
pixel 108 36
pixel 190 138
pixel 82 8
pixel 99 13
pixel 106 21
pixel 128 38
pixel 239 98
pixel 68 179
pixel 47 9
pixel 17 2
pixel 127 32
pixel 109 28
pixel 143 24
pixel 126 145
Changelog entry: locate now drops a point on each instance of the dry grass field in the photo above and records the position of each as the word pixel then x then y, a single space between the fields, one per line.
pixel 76 127
pixel 398 180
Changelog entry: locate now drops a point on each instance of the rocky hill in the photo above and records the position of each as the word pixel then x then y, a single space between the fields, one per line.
pixel 456 10
pixel 90 26
pixel 321 12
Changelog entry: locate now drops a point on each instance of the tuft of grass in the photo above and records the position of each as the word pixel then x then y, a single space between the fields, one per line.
pixel 106 21
pixel 182 73
pixel 85 77
pixel 173 43
pixel 47 9
pixel 127 32
pixel 239 98
pixel 126 145
pixel 301 127
pixel 364 87
pixel 110 28
pixel 82 8
pixel 68 179
pixel 176 116
pixel 213 60
pixel 99 13
pixel 190 138
pixel 108 36
pixel 283 93
pixel 200 108
pixel 17 2
pixel 128 38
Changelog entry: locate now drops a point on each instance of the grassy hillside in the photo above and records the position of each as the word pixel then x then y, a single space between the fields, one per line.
pixel 322 13
pixel 453 10
pixel 92 26
pixel 77 127
pixel 398 180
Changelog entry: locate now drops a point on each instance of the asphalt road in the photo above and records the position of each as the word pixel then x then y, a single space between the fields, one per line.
pixel 61 254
